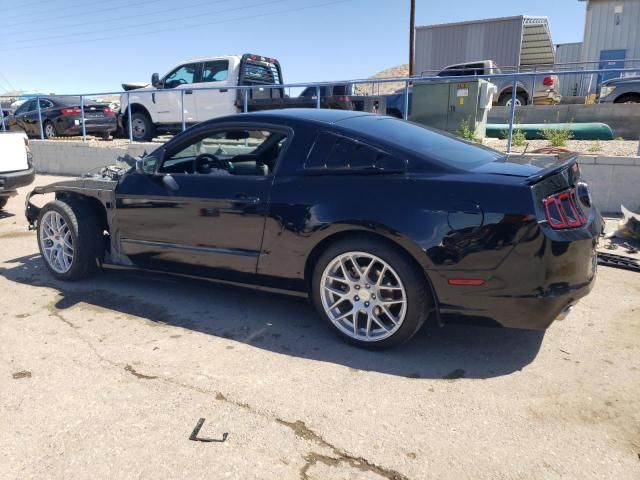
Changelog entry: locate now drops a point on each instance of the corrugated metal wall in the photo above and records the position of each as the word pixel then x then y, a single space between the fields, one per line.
pixel 440 45
pixel 604 30
pixel 569 53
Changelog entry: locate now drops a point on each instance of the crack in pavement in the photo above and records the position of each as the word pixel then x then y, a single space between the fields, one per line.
pixel 298 427
pixel 312 458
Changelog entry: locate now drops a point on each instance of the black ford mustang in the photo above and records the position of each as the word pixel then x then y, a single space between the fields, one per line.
pixel 383 223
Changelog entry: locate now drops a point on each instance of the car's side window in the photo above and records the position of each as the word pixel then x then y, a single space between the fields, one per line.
pixel 215 71
pixel 44 103
pixel 236 151
pixel 182 75
pixel 22 108
pixel 336 153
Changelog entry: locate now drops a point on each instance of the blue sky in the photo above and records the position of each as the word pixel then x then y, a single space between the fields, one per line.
pixel 73 46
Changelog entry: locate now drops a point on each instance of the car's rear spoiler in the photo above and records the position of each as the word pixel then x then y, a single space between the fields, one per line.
pixel 566 161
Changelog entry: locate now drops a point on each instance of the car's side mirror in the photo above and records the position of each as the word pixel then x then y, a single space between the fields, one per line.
pixel 155 81
pixel 146 165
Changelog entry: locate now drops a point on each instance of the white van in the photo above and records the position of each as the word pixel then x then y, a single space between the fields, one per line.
pixel 16 166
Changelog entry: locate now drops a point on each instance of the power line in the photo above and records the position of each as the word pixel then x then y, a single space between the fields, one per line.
pixel 184 27
pixel 6 80
pixel 69 15
pixel 29 14
pixel 107 21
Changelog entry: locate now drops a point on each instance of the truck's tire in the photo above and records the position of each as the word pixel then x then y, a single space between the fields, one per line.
pixel 387 294
pixel 70 239
pixel 505 99
pixel 142 127
pixel 3 202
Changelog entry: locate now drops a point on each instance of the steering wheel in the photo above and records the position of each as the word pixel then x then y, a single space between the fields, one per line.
pixel 204 162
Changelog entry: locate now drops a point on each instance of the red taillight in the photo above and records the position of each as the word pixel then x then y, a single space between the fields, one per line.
pixel 343 98
pixel 71 111
pixel 107 111
pixel 562 210
pixel 549 81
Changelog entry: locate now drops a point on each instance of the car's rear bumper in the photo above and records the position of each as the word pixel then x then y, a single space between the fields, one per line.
pixel 535 285
pixel 11 181
pixel 73 125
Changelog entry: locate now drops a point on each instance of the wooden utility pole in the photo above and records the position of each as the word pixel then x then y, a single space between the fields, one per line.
pixel 412 21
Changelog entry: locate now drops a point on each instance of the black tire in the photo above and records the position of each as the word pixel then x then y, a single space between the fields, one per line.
pixel 143 129
pixel 628 98
pixel 49 130
pixel 419 299
pixel 505 99
pixel 3 202
pixel 87 238
pixel 104 135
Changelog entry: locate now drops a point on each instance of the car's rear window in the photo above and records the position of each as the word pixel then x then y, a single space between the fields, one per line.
pixel 428 143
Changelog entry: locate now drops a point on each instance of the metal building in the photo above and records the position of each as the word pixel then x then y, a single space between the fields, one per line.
pixel 611 34
pixel 611 40
pixel 568 57
pixel 509 41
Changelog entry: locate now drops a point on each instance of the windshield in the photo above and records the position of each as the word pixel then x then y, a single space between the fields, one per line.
pixel 432 145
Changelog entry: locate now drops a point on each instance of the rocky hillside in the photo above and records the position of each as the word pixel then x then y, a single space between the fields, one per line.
pixel 384 88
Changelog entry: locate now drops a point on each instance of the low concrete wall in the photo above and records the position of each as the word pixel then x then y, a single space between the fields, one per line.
pixel 624 119
pixel 77 157
pixel 614 181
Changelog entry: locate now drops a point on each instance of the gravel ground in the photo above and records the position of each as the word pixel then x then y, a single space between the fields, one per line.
pixel 613 148
pixel 106 378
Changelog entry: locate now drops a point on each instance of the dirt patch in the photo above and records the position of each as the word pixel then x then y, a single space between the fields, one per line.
pixel 21 374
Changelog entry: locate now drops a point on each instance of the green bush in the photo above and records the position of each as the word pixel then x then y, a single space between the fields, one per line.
pixel 596 147
pixel 557 137
pixel 467 132
pixel 518 139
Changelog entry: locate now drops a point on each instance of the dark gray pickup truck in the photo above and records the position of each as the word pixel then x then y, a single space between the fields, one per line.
pixel 620 90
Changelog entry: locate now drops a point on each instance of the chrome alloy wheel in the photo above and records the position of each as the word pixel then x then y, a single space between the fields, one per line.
pixel 56 241
pixel 363 296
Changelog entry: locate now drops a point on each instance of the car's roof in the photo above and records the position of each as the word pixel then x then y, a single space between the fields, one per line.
pixel 308 114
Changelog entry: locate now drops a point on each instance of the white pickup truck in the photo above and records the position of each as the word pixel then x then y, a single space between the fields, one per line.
pixel 16 167
pixel 156 107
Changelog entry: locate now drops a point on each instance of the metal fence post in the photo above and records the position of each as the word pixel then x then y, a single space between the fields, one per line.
pixel 317 96
pixel 40 118
pixel 245 100
pixel 184 125
pixel 512 113
pixel 84 129
pixel 405 114
pixel 4 128
pixel 130 121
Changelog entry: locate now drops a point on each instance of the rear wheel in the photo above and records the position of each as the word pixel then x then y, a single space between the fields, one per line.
pixel 505 99
pixel 142 129
pixel 70 239
pixel 49 130
pixel 3 202
pixel 370 293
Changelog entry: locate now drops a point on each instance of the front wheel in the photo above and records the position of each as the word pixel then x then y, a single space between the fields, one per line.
pixel 370 293
pixel 70 239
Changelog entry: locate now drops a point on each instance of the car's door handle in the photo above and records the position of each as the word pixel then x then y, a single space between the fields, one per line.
pixel 242 198
pixel 223 90
pixel 209 212
pixel 188 92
